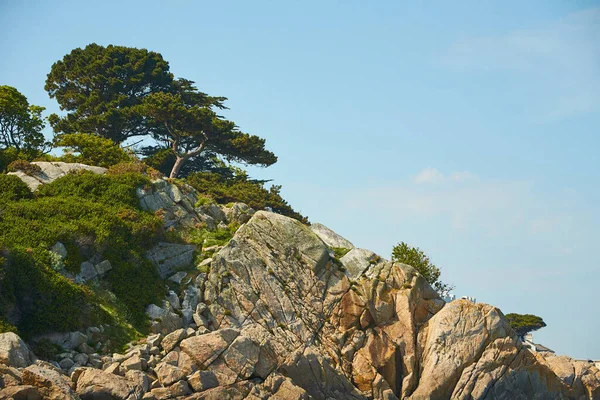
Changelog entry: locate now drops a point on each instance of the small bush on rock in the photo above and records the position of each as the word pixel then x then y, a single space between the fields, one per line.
pixel 24 166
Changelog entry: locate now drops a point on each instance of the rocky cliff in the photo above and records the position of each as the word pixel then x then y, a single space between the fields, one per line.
pixel 274 314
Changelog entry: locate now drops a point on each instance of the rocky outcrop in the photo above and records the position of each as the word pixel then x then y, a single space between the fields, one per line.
pixel 275 315
pixel 329 237
pixel 13 351
pixel 50 171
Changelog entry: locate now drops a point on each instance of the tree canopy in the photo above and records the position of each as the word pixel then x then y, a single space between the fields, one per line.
pixel 417 259
pixel 525 323
pixel 192 127
pixel 99 88
pixel 21 125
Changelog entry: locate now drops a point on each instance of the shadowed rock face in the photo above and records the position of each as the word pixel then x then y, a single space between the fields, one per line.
pixel 278 317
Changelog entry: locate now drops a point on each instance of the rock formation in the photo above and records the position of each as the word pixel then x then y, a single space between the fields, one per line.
pixel 273 314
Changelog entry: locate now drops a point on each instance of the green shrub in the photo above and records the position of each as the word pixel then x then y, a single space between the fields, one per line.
pixel 340 251
pixel 91 150
pixel 93 216
pixel 525 323
pixel 239 188
pixel 12 188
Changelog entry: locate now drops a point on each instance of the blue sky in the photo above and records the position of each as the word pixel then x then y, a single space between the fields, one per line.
pixel 469 129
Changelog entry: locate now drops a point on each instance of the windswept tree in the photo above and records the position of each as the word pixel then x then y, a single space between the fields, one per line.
pixel 525 323
pixel 416 258
pixel 186 123
pixel 99 88
pixel 21 125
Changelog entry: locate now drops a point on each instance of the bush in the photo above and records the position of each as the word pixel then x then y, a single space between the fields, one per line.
pixel 94 216
pixel 239 188
pixel 12 188
pixel 133 167
pixel 24 166
pixel 416 258
pixel 91 150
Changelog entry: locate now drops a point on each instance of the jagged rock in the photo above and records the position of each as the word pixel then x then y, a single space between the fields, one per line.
pixel 174 366
pixel 357 261
pixel 103 267
pixel 59 249
pixel 97 384
pixel 239 213
pixel 20 392
pixel 178 277
pixel 13 351
pixel 215 212
pixel 173 339
pixel 50 383
pixel 9 376
pixel 163 319
pixel 170 257
pixel 330 238
pixel 87 272
pixel 50 171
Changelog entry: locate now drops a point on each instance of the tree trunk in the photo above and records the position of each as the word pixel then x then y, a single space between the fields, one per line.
pixel 177 166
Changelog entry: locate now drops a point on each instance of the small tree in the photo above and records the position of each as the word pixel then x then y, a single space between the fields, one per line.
pixel 186 123
pixel 525 323
pixel 21 125
pixel 417 259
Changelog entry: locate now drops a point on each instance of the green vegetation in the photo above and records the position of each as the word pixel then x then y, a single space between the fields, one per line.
pixel 239 188
pixel 94 216
pixel 340 251
pixel 120 92
pixel 21 126
pixel 99 88
pixel 91 150
pixel 13 188
pixel 525 323
pixel 416 258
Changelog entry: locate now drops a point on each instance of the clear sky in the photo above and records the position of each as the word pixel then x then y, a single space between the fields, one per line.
pixel 468 129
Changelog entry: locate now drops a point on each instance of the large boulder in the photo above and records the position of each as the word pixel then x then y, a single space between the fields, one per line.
pixel 49 381
pixel 330 238
pixel 13 351
pixel 50 171
pixel 170 257
pixel 97 384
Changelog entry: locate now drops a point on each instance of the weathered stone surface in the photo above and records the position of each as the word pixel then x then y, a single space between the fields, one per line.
pixel 86 273
pixel 330 238
pixel 97 384
pixel 239 213
pixel 103 267
pixel 13 351
pixel 358 261
pixel 50 171
pixel 50 383
pixel 170 257
pixel 20 392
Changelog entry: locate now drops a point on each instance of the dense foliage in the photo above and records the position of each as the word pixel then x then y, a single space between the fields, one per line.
pixel 99 87
pixel 21 124
pixel 91 150
pixel 417 259
pixel 238 188
pixel 95 217
pixel 525 323
pixel 192 127
pixel 13 188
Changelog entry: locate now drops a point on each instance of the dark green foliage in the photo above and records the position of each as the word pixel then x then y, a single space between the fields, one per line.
pixel 45 300
pixel 186 123
pixel 241 189
pixel 416 258
pixel 100 86
pixel 24 166
pixel 107 189
pixel 13 188
pixel 93 216
pixel 91 150
pixel 21 125
pixel 525 323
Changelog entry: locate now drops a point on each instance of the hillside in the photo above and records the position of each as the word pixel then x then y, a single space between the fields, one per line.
pixel 221 301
